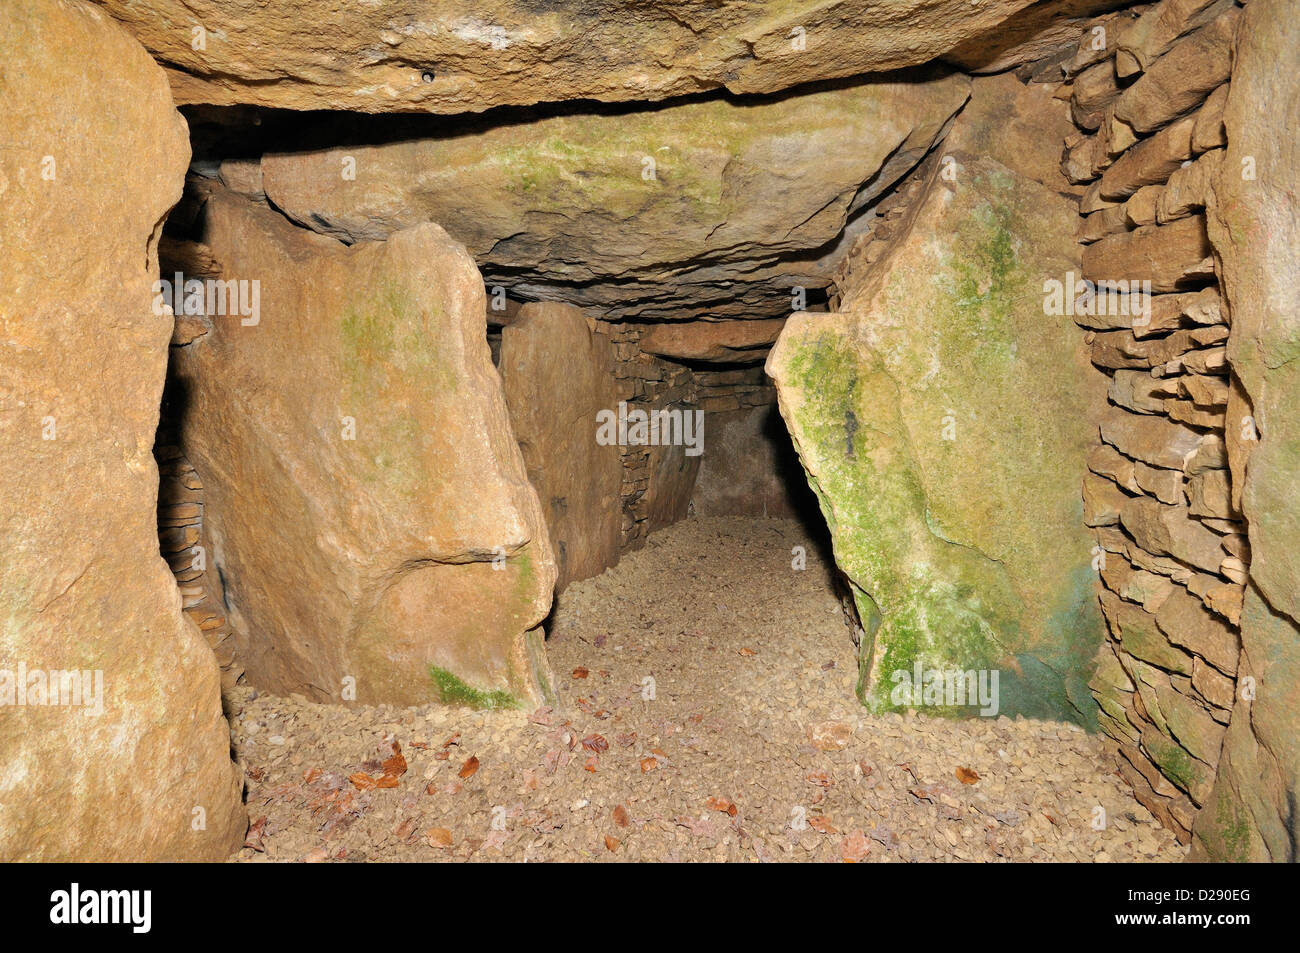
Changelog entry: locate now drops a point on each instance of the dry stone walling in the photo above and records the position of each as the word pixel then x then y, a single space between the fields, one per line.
pixel 1150 106
pixel 132 761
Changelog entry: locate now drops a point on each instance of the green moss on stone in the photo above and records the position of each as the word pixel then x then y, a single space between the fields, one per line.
pixel 453 691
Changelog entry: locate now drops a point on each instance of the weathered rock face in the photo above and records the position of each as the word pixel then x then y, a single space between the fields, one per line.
pixel 94 156
pixel 748 467
pixel 943 419
pixel 672 212
pixel 558 375
pixel 731 342
pixel 367 503
pixel 1255 227
pixel 437 55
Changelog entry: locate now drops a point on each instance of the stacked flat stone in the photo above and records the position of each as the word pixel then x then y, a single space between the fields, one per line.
pixel 1149 105
pixel 648 383
pixel 180 536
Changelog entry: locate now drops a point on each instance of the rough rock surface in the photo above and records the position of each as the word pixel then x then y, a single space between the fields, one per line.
pixel 94 155
pixel 1254 224
pixel 558 375
pixel 748 468
pixel 730 342
pixel 943 419
pixel 669 212
pixel 440 56
pixel 365 496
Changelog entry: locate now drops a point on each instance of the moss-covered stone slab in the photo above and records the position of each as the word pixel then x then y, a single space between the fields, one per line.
pixel 943 420
pixel 656 213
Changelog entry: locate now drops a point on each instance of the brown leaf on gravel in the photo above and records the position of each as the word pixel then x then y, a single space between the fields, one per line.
pixel 580 672
pixel 820 778
pixel 453 740
pixel 469 767
pixel 431 788
pixel 362 781
pixel 620 816
pixel 649 764
pixel 254 837
pixel 255 772
pixel 854 847
pixel 747 652
pixel 721 804
pixel 822 824
pixel 386 781
pixel 967 776
pixel 626 740
pixel 592 763
pixel 439 837
pixel 611 843
pixel 311 775
pixel 543 716
pixel 596 743
pixel 829 735
pixel 396 765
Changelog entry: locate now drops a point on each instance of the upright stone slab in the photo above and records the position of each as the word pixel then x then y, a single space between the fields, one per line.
pixel 367 503
pixel 93 156
pixel 558 375
pixel 943 419
pixel 1254 224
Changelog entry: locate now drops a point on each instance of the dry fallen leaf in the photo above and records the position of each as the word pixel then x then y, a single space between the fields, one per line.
pixel 747 652
pixel 854 847
pixel 620 816
pixel 405 829
pixel 721 804
pixel 439 837
pixel 820 823
pixel 591 763
pixel 362 781
pixel 311 775
pixel 386 781
pixel 396 765
pixel 649 764
pixel 611 843
pixel 469 767
pixel 254 838
pixel 580 672
pixel 595 743
pixel 967 776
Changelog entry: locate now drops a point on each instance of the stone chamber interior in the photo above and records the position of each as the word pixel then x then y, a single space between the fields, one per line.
pixel 887 462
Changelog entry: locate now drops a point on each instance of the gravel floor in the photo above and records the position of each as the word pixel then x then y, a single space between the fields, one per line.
pixel 695 676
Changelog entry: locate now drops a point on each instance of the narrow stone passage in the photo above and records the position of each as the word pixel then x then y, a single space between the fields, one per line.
pixel 708 715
